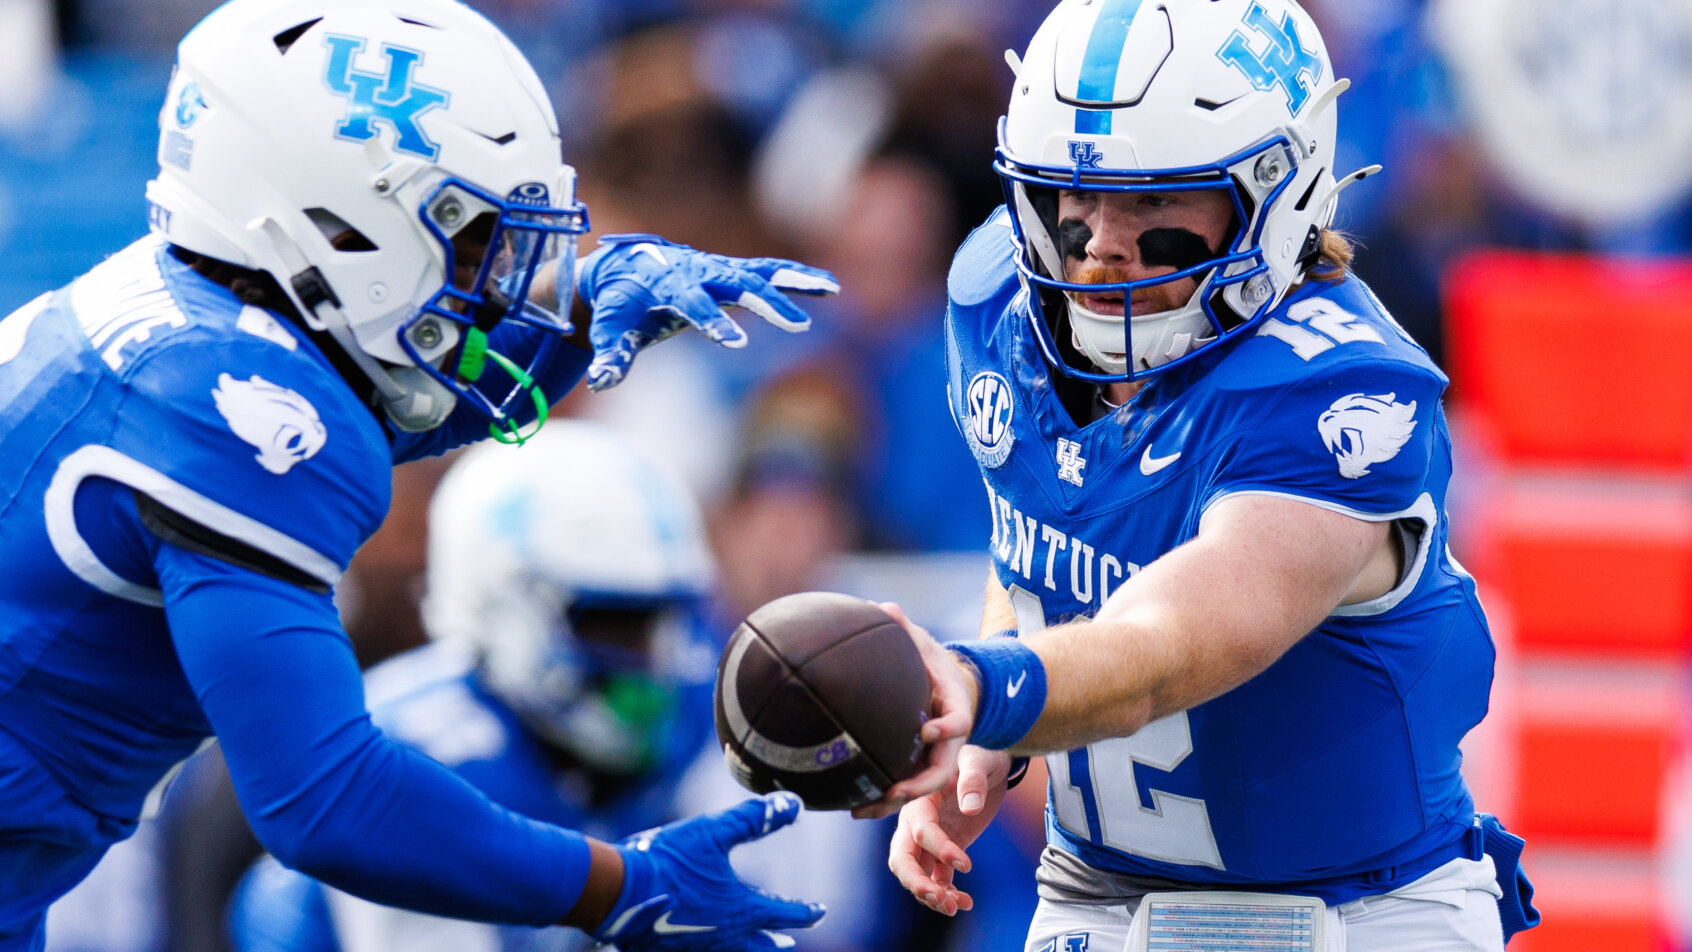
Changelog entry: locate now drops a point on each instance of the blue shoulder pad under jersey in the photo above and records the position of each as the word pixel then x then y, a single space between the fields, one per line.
pixel 223 414
pixel 983 266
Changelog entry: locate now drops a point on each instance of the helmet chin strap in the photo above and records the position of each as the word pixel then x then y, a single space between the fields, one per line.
pixel 1079 312
pixel 413 400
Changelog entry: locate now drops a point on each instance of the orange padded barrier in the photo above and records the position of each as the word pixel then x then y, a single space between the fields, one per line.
pixel 1564 359
pixel 1591 565
pixel 1595 742
pixel 1591 902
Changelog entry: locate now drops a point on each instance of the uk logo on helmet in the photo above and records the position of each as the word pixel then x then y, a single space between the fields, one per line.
pixel 1284 62
pixel 392 98
pixel 189 104
pixel 1085 155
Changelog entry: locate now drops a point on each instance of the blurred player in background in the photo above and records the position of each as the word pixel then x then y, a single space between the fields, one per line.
pixel 363 252
pixel 1218 472
pixel 568 677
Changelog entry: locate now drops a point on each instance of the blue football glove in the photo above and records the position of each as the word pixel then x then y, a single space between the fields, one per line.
pixel 680 893
pixel 643 289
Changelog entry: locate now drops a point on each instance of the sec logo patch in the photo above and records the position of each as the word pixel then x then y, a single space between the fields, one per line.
pixel 990 407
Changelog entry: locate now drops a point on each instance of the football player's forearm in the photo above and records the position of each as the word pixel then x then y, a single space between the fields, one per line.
pixel 325 791
pixel 1198 622
pixel 997 614
pixel 604 885
pixel 1095 689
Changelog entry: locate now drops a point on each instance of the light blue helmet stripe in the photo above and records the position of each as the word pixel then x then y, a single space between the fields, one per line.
pixel 1103 57
pixel 1093 121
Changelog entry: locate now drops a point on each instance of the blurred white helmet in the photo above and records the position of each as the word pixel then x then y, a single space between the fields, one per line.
pixel 575 569
pixel 342 146
pixel 1234 96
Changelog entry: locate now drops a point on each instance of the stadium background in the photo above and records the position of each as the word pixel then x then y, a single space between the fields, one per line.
pixel 1532 230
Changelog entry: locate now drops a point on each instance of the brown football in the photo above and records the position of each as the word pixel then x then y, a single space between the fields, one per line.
pixel 824 695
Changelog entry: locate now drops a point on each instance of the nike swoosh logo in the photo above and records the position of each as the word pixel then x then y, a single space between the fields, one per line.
pixel 665 927
pixel 1150 464
pixel 1011 687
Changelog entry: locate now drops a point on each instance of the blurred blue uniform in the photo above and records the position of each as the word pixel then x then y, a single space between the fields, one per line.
pixel 429 699
pixel 148 418
pixel 1335 772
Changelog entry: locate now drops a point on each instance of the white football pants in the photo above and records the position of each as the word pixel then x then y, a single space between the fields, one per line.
pixel 1452 909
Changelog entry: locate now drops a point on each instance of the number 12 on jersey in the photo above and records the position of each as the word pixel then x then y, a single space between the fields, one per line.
pixel 1094 793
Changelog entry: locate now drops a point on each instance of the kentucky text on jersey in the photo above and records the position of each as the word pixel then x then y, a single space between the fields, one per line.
pixel 1023 544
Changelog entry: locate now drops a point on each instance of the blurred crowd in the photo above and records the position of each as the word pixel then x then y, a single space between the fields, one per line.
pixel 856 135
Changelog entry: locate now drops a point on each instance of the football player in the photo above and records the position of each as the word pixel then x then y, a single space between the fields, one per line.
pixel 362 252
pixel 568 675
pixel 1217 471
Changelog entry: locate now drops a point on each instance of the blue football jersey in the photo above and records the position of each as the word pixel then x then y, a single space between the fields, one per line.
pixel 1337 769
pixel 144 374
pixel 142 400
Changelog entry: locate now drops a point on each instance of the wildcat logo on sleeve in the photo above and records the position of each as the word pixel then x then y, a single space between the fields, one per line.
pixel 1362 430
pixel 990 406
pixel 282 424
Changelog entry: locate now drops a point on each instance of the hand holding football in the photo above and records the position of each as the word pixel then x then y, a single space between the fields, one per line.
pixel 824 695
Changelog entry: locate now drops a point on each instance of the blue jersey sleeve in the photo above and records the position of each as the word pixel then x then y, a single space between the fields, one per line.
pixel 1356 436
pixel 255 441
pixel 324 790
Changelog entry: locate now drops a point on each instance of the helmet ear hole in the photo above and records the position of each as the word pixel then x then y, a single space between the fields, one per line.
pixel 338 233
pixel 1304 200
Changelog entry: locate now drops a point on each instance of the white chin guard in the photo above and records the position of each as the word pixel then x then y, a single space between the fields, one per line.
pixel 1157 338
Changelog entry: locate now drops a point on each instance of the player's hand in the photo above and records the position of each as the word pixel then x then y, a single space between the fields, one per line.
pixel 951 714
pixel 679 891
pixel 934 831
pixel 642 289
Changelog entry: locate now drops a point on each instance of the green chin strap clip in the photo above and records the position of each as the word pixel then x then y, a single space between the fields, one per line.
pixel 474 359
pixel 470 367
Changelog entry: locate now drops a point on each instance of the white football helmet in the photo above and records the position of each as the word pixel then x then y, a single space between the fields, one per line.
pixel 1171 95
pixel 575 569
pixel 342 146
